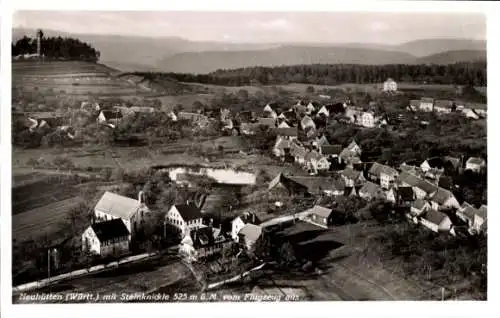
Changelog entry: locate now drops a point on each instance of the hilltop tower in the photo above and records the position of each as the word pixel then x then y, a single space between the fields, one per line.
pixel 39 36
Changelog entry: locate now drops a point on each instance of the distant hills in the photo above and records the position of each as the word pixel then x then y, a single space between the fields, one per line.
pixel 175 54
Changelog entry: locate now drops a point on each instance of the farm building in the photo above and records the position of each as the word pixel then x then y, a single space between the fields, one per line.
pixel 248 235
pixel 444 106
pixel 106 238
pixel 437 221
pixel 475 218
pixel 419 207
pixel 352 177
pixel 290 133
pixel 184 217
pixel 203 242
pixel 114 206
pixel 268 122
pixel 371 191
pixel 383 174
pixel 443 199
pixel 283 185
pixel 331 151
pixel 320 216
pixel 390 85
pixel 475 164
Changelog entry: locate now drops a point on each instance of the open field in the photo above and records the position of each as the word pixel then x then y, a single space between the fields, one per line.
pixel 58 68
pixel 43 220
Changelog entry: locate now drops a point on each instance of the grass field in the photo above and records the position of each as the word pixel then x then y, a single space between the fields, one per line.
pixel 59 68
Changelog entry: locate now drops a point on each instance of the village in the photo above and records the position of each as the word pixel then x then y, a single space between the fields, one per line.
pixel 315 173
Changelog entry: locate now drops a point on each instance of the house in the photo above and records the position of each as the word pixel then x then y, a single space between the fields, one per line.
pixel 184 217
pixel 390 85
pixel 414 105
pixel 354 148
pixel 367 120
pixel 290 133
pixel 307 123
pixel 268 109
pixel 323 111
pixel 469 113
pixel 350 155
pixel 173 116
pixel 443 106
pixel 106 238
pixel 320 216
pixel 248 235
pixel 310 108
pixel 433 163
pixel 479 109
pixel 391 195
pixel 419 207
pixel 422 188
pixel 331 151
pixel 249 128
pixel 475 218
pixel 405 196
pixel 475 164
pixel 283 185
pixel 114 206
pixel 315 161
pixel 443 199
pixel 321 142
pixel 371 191
pixel 267 122
pixel 203 242
pixel 454 162
pixel 283 124
pixel 281 148
pixel 383 174
pixel 436 221
pixel 298 153
pixel 352 177
pixel 315 185
pixel 426 104
pixel 109 117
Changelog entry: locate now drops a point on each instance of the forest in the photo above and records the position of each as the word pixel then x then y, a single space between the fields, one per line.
pixel 467 73
pixel 57 48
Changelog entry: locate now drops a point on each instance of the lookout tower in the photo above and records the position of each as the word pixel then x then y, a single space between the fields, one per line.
pixel 39 36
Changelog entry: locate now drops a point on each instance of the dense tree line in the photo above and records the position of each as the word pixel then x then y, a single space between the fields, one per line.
pixel 57 48
pixel 467 73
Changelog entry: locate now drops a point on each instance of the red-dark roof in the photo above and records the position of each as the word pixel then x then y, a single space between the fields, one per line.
pixel 189 211
pixel 109 230
pixel 331 149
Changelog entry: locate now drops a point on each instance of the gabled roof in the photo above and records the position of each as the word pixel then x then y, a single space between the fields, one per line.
pixel 269 122
pixel 352 145
pixel 189 211
pixel 192 116
pixel 317 185
pixel 282 144
pixel 268 108
pixel 442 195
pixel 435 162
pixel 426 186
pixel 454 161
pixel 443 103
pixel 251 231
pixel 350 173
pixel 323 141
pixel 298 151
pixel 427 100
pixel 324 110
pixel 370 188
pixel 312 155
pixel 283 125
pixel 321 211
pixel 475 160
pixel 331 149
pixel 435 217
pixel 307 122
pixel 310 106
pixel 109 114
pixel 117 205
pixel 377 169
pixel 419 204
pixel 108 230
pixel 288 132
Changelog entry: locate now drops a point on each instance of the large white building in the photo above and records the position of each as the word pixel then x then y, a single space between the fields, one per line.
pixel 185 217
pixel 114 206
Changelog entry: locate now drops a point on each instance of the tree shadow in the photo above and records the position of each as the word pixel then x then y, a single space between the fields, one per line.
pixel 296 238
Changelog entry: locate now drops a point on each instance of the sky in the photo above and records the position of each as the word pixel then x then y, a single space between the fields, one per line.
pixel 263 27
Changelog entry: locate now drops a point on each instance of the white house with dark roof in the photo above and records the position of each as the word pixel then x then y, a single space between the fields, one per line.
pixel 390 85
pixel 437 221
pixel 184 217
pixel 324 111
pixel 475 164
pixel 422 188
pixel 443 106
pixel 371 191
pixel 319 216
pixel 310 108
pixel 114 206
pixel 384 174
pixel 106 238
pixel 367 119
pixel 475 218
pixel 248 235
pixel 443 199
pixel 307 123
pixel 419 207
pixel 352 177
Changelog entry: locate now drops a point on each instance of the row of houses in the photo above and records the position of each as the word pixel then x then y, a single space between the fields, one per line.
pixel 469 110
